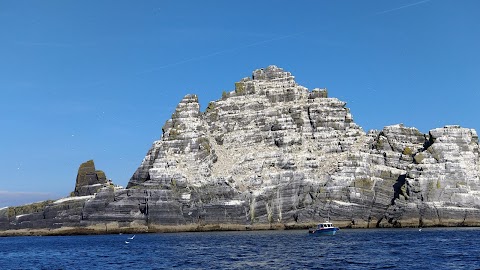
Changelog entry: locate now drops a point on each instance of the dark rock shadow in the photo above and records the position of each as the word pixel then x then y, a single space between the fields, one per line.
pixel 397 188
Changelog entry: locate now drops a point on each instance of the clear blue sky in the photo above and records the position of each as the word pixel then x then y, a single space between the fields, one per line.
pixel 84 80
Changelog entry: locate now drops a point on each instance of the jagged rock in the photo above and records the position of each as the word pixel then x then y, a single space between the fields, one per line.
pixel 184 154
pixel 89 180
pixel 273 153
pixel 309 155
pixel 447 172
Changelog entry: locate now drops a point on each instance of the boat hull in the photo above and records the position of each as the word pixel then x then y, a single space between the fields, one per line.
pixel 327 231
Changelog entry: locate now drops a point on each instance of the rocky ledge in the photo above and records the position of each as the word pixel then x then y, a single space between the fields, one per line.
pixel 273 154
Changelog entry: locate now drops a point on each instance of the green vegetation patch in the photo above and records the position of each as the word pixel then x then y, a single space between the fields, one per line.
pixel 204 144
pixel 460 184
pixel 224 94
pixel 407 151
pixel 28 208
pixel 86 168
pixel 174 133
pixel 403 189
pixel 239 88
pixel 379 144
pixel 365 183
pixel 101 176
pixel 386 175
pixel 211 106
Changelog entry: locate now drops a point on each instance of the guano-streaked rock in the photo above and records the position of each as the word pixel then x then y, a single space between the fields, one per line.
pixel 272 153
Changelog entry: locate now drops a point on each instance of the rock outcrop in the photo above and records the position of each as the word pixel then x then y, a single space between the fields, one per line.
pixel 272 153
pixel 89 180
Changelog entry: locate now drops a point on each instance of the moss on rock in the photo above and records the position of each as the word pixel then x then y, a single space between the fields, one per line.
pixel 239 88
pixel 407 151
pixel 28 208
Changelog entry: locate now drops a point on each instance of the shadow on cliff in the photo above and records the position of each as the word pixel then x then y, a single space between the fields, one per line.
pixel 399 188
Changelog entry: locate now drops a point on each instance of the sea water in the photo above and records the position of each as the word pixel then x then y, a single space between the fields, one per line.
pixel 429 248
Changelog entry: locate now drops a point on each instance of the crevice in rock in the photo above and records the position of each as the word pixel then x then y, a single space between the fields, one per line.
pixel 438 214
pixel 378 222
pixel 82 214
pixel 371 207
pixel 421 213
pixel 388 141
pixel 399 188
pixel 310 120
pixel 464 218
pixel 429 140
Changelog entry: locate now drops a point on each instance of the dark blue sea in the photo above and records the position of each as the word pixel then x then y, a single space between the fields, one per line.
pixel 431 248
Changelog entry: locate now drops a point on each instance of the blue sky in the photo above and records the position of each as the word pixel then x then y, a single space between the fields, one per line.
pixel 84 80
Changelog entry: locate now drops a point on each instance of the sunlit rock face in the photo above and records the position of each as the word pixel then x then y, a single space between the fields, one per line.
pixel 278 152
pixel 183 155
pixel 272 152
pixel 444 178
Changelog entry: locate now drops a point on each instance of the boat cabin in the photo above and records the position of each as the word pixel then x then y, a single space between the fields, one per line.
pixel 325 228
pixel 325 225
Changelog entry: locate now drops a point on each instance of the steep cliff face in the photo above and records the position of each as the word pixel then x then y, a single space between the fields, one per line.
pixel 175 159
pixel 273 153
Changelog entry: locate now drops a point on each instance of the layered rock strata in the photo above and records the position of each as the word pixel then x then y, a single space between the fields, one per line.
pixel 272 153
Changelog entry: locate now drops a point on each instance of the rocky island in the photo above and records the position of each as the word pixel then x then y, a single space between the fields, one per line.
pixel 272 154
